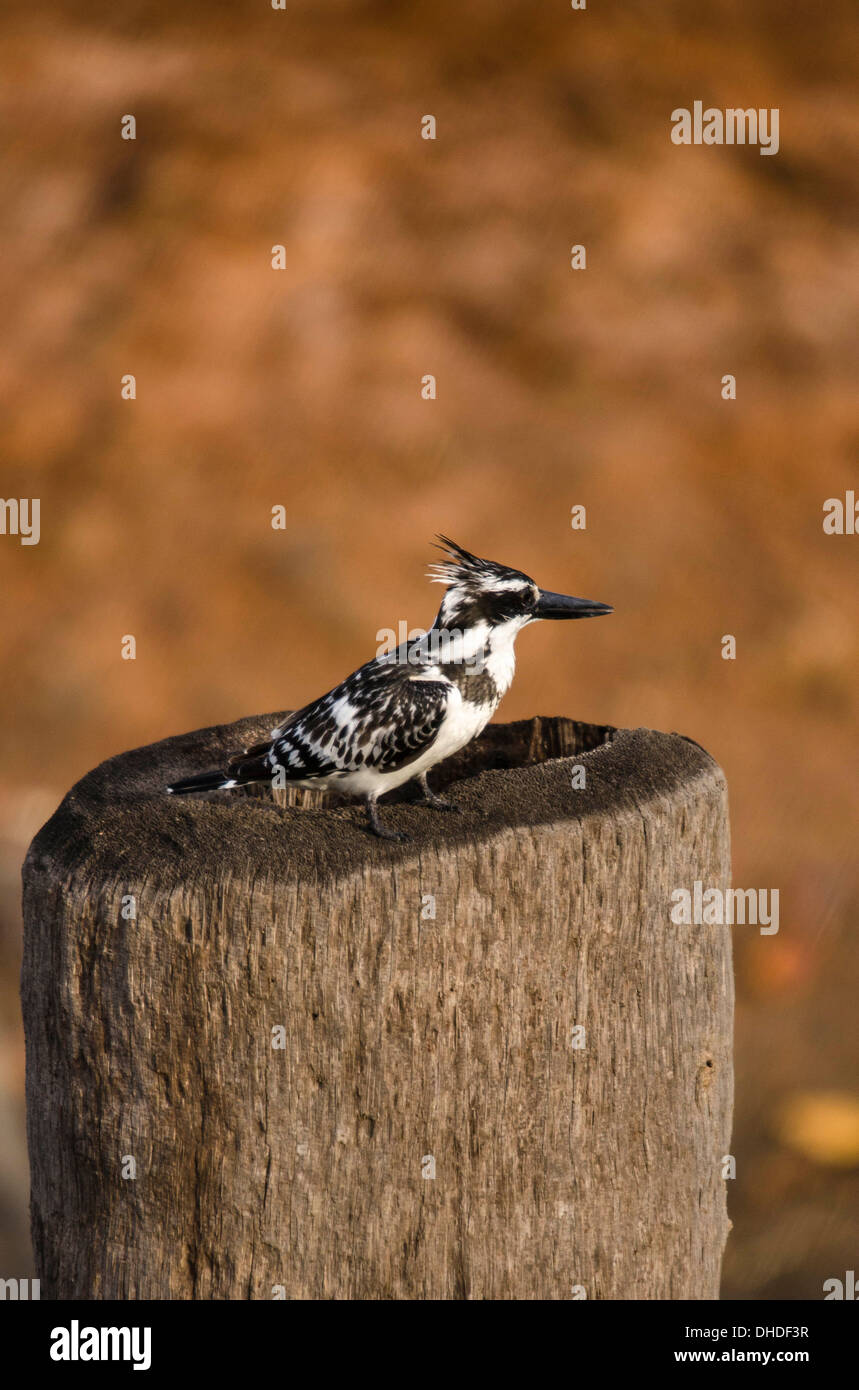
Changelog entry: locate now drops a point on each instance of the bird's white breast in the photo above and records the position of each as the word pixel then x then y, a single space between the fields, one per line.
pixel 500 659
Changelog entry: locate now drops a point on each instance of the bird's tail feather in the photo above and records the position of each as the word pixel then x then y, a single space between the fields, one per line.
pixel 243 768
pixel 203 782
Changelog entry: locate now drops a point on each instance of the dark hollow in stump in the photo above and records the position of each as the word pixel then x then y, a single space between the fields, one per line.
pixel 271 1056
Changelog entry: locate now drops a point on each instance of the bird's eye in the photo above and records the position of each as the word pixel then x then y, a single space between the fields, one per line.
pixel 523 602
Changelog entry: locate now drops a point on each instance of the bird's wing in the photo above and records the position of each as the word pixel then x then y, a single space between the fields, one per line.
pixel 382 717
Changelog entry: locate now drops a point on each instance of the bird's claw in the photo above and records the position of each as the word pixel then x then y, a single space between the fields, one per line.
pixel 377 828
pixel 384 834
pixel 440 803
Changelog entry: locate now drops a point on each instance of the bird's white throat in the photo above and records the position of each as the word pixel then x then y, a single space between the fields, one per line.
pixel 488 649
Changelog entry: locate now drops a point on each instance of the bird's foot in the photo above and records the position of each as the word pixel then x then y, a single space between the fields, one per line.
pixel 379 829
pixel 384 834
pixel 430 798
pixel 438 803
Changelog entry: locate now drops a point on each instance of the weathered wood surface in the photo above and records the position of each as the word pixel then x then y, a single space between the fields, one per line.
pixel 405 1037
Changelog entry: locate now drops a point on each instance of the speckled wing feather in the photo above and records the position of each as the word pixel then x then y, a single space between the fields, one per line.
pixel 382 717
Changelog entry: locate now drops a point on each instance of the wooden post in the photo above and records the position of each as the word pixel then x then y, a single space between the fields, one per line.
pixel 271 1056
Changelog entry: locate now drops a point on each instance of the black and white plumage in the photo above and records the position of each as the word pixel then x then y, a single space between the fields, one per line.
pixel 403 712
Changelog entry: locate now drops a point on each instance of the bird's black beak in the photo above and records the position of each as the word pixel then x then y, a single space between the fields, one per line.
pixel 562 606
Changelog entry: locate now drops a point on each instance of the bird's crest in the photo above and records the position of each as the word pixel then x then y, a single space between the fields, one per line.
pixel 466 571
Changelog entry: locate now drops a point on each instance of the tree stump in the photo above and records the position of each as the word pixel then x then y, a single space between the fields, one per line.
pixel 270 1056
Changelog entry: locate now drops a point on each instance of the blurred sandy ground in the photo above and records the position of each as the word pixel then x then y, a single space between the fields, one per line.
pixel 302 387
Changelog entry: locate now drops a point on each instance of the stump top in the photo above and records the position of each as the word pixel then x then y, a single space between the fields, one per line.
pixel 118 818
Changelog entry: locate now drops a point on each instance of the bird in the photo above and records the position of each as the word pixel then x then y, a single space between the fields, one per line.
pixel 409 708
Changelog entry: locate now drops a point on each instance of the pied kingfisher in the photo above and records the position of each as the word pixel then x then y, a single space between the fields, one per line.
pixel 407 709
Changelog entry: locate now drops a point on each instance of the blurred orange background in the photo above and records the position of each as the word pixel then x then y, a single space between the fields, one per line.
pixel 556 388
